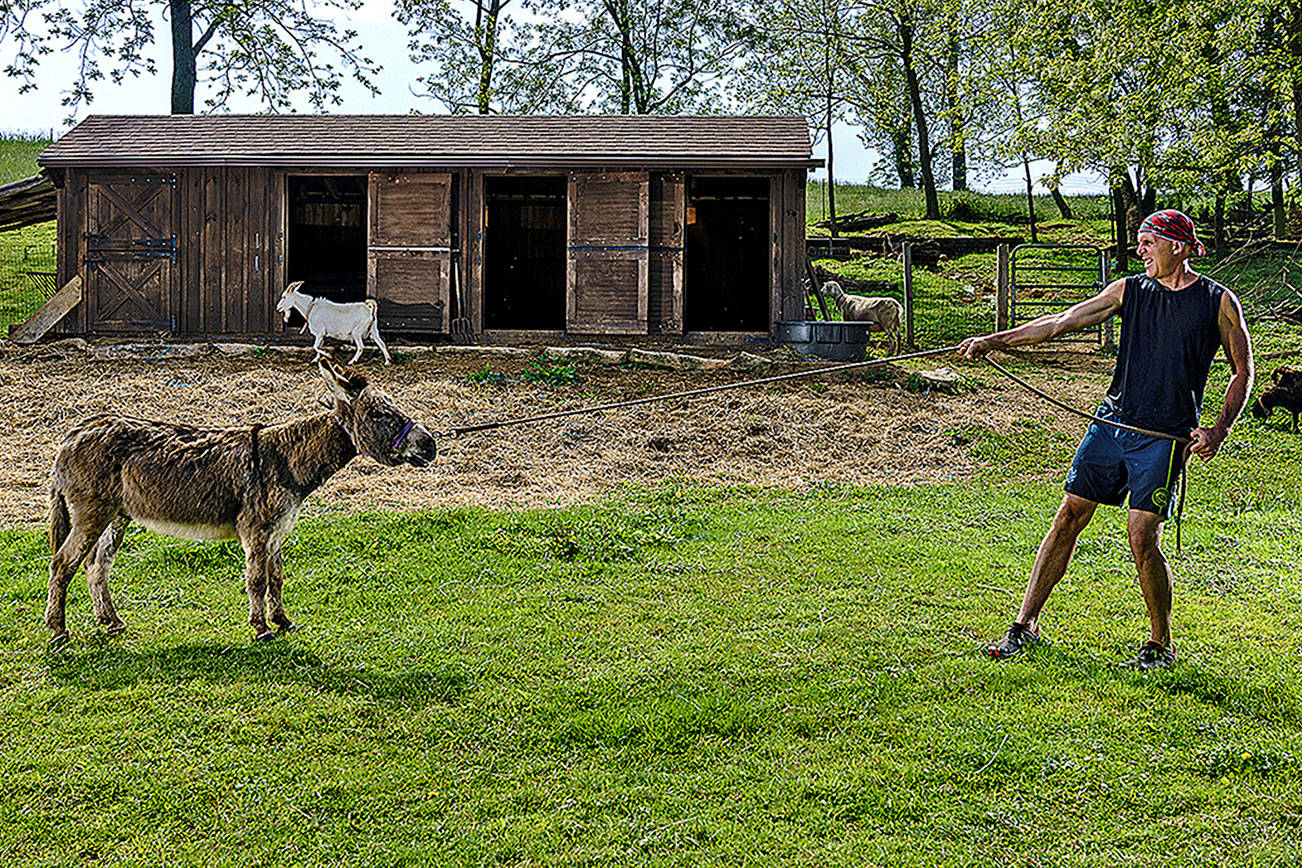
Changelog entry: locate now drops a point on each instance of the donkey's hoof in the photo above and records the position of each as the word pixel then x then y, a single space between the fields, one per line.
pixel 115 628
pixel 59 640
pixel 265 636
pixel 287 627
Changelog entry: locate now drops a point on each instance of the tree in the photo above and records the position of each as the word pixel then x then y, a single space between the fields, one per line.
pixel 644 56
pixel 479 56
pixel 269 50
pixel 797 67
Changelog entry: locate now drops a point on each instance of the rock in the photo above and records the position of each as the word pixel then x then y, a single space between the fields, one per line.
pixel 748 361
pixel 671 361
pixel 586 355
pixel 941 378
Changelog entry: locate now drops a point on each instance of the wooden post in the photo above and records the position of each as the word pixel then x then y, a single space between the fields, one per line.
pixel 908 295
pixel 1003 292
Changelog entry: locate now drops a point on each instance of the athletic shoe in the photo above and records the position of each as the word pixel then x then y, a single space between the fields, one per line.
pixel 1018 638
pixel 1153 655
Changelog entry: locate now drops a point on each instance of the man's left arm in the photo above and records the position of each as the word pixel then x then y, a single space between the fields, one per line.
pixel 1238 351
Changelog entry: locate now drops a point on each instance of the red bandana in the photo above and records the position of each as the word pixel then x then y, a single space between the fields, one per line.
pixel 1173 226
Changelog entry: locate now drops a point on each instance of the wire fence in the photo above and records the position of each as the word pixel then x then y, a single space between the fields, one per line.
pixel 27 276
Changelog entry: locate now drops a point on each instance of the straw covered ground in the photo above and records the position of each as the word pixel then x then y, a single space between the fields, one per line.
pixel 854 428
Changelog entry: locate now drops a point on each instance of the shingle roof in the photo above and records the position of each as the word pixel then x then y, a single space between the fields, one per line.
pixel 432 140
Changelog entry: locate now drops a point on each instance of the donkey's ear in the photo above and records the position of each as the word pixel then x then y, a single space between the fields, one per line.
pixel 344 385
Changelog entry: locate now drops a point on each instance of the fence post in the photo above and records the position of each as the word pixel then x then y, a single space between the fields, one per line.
pixel 1002 290
pixel 908 295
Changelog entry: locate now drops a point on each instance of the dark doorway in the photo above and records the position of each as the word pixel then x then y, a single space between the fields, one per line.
pixel 326 243
pixel 726 286
pixel 524 253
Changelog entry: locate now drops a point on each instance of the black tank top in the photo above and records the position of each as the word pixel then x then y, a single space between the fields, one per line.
pixel 1168 341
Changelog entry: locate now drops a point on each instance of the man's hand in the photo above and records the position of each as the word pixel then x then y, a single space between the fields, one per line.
pixel 1207 441
pixel 976 347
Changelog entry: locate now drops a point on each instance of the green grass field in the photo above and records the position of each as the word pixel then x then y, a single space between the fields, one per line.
pixel 682 675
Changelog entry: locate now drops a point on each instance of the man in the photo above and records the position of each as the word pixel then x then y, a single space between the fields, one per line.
pixel 1172 321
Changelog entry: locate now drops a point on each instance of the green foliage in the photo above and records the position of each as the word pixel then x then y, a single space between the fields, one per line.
pixel 487 376
pixel 18 153
pixel 551 374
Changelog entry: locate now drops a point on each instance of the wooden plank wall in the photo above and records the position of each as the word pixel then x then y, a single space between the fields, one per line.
pixel 231 231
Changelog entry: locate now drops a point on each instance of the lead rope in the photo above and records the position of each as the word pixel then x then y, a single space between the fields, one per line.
pixel 489 426
pixel 1188 443
pixel 817 372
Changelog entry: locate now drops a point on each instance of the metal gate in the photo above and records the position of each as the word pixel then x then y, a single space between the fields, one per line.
pixel 1050 277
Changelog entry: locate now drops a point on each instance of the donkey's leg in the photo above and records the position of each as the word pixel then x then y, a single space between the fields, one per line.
pixel 275 580
pixel 375 336
pixel 86 528
pixel 256 567
pixel 98 568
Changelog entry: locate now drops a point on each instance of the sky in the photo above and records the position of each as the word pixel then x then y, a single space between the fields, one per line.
pixel 41 111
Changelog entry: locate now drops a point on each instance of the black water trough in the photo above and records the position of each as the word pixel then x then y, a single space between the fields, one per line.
pixel 839 341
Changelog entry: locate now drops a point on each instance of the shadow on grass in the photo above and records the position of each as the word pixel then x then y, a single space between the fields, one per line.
pixel 112 668
pixel 1255 697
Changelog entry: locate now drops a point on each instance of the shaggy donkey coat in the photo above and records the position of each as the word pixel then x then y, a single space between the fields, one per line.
pixel 210 483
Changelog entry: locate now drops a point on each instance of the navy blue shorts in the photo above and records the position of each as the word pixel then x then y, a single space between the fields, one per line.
pixel 1110 462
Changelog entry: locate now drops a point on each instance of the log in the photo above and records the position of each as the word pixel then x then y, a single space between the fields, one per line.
pixel 50 313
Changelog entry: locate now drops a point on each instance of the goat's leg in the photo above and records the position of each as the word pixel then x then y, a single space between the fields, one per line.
pixel 357 339
pixel 275 580
pixel 375 336
pixel 316 344
pixel 98 568
pixel 86 528
pixel 256 569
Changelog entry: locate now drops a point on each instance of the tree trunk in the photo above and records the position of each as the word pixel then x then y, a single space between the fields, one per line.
pixel 831 181
pixel 919 120
pixel 1218 225
pixel 1277 197
pixel 1030 198
pixel 487 40
pixel 1119 220
pixel 956 120
pixel 1063 208
pixel 901 142
pixel 184 71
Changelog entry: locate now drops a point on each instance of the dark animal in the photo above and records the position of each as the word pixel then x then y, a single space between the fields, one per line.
pixel 1285 393
pixel 211 483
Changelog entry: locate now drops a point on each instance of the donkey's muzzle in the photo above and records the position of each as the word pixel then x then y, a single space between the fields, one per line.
pixel 421 448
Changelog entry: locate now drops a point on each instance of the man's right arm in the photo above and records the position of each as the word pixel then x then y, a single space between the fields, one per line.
pixel 1087 313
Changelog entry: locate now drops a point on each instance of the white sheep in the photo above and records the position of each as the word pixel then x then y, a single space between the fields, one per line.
pixel 331 319
pixel 881 314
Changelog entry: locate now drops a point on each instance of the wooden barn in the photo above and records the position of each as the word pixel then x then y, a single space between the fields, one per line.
pixel 518 228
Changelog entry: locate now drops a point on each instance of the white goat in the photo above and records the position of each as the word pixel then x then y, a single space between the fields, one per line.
pixel 881 314
pixel 331 319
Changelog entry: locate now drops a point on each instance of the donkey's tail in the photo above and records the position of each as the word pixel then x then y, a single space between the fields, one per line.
pixel 60 522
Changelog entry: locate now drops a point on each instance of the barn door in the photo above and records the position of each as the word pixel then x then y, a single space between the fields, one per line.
pixel 668 215
pixel 607 268
pixel 130 252
pixel 409 250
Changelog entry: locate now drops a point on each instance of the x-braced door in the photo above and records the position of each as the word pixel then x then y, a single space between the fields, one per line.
pixel 130 253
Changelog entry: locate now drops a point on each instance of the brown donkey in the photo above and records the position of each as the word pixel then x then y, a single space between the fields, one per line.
pixel 210 483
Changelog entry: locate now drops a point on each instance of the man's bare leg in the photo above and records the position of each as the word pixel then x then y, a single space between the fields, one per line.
pixel 1145 532
pixel 1054 555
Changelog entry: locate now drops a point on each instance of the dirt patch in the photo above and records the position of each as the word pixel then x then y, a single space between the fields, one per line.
pixel 845 428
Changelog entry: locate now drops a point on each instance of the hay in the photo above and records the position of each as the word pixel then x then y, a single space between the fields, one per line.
pixel 796 435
